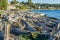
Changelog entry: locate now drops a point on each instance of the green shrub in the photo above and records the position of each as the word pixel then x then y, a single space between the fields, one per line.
pixel 35 34
pixel 24 37
pixel 23 7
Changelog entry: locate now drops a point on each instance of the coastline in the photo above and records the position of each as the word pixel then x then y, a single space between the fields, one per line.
pixel 51 13
pixel 28 11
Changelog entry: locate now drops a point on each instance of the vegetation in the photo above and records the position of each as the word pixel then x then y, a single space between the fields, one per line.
pixel 3 4
pixel 1 12
pixel 24 36
pixel 48 6
pixel 29 1
pixel 14 2
pixel 29 5
pixel 42 6
pixel 23 7
pixel 33 36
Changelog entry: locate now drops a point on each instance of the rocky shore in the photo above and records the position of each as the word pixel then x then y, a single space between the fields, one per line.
pixel 28 22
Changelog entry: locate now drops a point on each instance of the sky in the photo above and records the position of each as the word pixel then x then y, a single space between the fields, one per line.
pixel 42 1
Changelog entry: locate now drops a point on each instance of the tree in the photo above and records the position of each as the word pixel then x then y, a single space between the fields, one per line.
pixel 14 2
pixel 29 1
pixel 3 4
